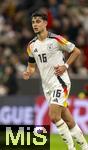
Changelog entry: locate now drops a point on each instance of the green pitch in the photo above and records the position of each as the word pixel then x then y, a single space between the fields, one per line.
pixel 56 143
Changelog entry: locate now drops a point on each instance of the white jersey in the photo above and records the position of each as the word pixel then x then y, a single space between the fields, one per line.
pixel 48 54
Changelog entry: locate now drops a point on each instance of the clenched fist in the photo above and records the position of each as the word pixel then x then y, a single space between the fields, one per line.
pixel 28 73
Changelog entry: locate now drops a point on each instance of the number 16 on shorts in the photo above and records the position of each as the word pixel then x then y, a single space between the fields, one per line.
pixel 56 95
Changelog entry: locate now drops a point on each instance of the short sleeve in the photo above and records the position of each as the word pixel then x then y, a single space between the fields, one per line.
pixel 64 44
pixel 31 57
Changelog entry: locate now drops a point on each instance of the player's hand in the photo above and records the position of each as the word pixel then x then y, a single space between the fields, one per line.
pixel 59 70
pixel 26 75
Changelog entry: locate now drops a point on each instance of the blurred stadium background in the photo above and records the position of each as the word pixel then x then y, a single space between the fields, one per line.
pixel 22 102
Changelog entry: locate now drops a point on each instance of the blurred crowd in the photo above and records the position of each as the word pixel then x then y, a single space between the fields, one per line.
pixel 68 18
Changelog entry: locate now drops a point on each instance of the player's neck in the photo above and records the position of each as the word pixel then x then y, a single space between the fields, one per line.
pixel 43 35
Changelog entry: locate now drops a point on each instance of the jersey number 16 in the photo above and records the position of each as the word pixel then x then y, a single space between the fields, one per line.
pixel 42 57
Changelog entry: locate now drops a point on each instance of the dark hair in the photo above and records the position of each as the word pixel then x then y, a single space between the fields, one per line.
pixel 40 13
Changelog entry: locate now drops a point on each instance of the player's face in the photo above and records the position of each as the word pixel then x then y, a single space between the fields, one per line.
pixel 38 24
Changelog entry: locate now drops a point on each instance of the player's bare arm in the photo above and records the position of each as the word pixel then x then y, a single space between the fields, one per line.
pixel 59 70
pixel 29 71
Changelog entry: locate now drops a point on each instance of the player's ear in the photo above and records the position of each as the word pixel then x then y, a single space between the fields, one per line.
pixel 46 23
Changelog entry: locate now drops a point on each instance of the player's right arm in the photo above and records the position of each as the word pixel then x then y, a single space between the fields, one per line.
pixel 29 71
pixel 31 64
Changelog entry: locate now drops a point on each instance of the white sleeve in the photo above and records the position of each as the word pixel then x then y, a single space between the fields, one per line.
pixel 64 44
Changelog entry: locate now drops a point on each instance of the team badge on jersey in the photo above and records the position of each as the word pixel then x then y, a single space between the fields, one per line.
pixel 50 46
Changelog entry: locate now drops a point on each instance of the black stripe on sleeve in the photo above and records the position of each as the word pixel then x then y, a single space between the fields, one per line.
pixel 31 60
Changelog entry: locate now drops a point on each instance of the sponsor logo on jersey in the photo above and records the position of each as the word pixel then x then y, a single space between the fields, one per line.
pixel 35 50
pixel 55 100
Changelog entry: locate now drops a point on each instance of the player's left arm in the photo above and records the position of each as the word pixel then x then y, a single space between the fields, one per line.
pixel 74 53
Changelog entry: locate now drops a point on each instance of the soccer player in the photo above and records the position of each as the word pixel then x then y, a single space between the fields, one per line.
pixel 46 50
